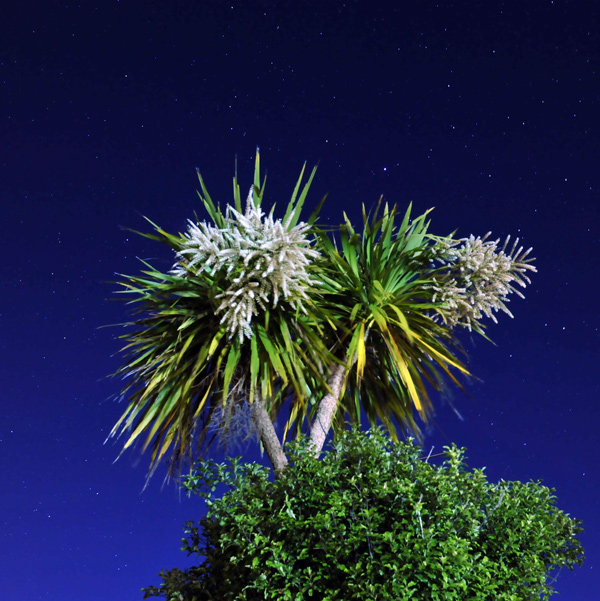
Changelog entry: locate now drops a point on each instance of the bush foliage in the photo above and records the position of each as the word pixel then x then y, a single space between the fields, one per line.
pixel 371 520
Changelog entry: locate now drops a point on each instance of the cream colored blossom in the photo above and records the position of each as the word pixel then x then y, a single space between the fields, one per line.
pixel 478 277
pixel 264 260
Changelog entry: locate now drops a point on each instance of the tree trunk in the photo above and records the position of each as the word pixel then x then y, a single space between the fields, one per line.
pixel 327 409
pixel 268 436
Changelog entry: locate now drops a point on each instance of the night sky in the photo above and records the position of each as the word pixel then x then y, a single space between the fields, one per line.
pixel 488 111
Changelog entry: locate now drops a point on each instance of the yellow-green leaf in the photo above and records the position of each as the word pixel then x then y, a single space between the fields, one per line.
pixel 403 323
pixel 361 352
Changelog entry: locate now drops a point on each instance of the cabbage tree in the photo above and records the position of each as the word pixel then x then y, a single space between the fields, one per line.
pixel 259 314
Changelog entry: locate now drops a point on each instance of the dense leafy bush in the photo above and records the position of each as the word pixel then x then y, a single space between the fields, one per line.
pixel 371 520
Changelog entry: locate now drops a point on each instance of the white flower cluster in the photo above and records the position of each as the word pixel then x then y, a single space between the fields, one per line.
pixel 478 278
pixel 264 261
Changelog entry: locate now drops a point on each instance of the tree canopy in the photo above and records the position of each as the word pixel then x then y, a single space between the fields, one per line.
pixel 371 519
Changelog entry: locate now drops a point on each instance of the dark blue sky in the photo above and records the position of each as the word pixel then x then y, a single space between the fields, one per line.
pixel 487 111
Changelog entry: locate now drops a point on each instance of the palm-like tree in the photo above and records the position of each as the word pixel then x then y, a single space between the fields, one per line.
pixel 395 296
pixel 191 361
pixel 258 312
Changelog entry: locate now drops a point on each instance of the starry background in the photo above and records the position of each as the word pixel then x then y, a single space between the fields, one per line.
pixel 487 111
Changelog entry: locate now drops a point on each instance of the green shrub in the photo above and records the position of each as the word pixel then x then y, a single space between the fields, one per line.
pixel 371 520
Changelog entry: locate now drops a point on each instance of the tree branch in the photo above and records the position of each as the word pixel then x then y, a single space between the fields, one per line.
pixel 327 408
pixel 268 436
